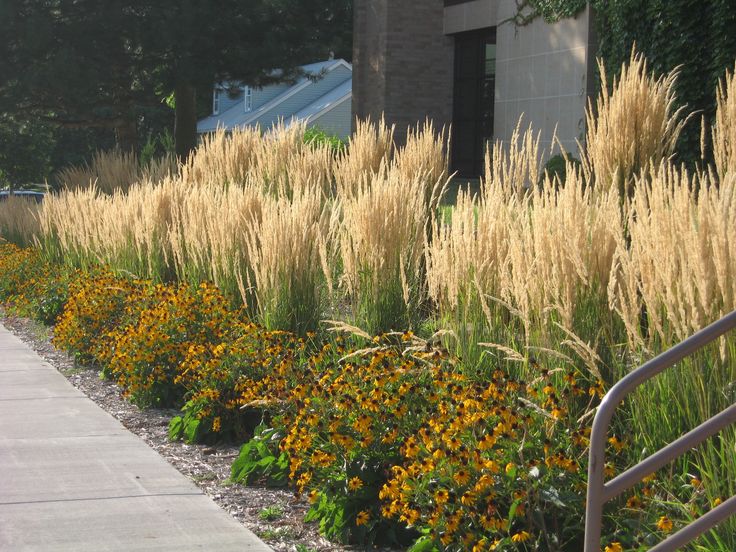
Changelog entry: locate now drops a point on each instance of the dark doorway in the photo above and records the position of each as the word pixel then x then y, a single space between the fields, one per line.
pixel 474 91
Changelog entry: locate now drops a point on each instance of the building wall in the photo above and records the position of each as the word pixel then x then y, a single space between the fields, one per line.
pixel 336 120
pixel 369 57
pixel 402 63
pixel 542 72
pixel 227 101
pixel 470 16
pixel 404 54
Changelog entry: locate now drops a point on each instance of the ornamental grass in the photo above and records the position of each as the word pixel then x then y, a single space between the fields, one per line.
pixel 289 250
pixel 632 125
pixel 368 150
pixel 679 261
pixel 207 236
pixel 127 231
pixel 536 255
pixel 115 170
pixel 19 220
pixel 724 129
pixel 385 221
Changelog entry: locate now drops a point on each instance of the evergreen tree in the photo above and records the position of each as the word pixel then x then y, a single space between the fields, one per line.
pixel 71 63
pixel 85 64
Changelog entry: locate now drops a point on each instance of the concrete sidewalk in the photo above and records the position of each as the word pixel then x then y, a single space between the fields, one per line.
pixel 73 478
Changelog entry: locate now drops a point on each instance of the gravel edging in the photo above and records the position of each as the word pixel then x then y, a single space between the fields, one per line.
pixel 207 466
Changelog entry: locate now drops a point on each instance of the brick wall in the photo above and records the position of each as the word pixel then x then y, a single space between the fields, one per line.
pixel 369 57
pixel 402 62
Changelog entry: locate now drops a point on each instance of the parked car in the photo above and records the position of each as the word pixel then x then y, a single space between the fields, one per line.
pixel 28 194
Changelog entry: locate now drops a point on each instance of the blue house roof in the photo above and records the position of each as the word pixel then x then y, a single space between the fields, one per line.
pixel 325 87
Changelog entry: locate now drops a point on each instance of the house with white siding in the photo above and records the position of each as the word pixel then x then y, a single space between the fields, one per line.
pixel 321 96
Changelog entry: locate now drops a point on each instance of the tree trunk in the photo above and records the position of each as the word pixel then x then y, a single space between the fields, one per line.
pixel 185 124
pixel 126 135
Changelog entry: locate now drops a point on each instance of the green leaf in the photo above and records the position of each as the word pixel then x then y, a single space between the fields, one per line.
pixel 191 428
pixel 245 464
pixel 256 459
pixel 176 428
pixel 512 510
pixel 266 462
pixel 423 544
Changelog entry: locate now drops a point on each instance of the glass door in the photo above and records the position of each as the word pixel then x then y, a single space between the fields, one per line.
pixel 474 92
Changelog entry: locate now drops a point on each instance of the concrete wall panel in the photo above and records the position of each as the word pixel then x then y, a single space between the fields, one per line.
pixel 544 75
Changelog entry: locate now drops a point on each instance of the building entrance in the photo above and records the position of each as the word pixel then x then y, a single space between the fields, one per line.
pixel 474 91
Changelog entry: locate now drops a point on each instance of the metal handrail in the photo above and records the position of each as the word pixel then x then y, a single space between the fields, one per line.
pixel 600 492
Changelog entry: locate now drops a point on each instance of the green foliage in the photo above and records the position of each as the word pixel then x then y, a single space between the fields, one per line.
pixel 260 460
pixel 318 136
pixel 333 521
pixel 185 427
pixel 337 515
pixel 698 36
pixel 271 513
pixel 551 10
pixel 380 305
pixel 423 544
pixel 556 166
pixel 51 299
pixel 26 152
pixel 156 146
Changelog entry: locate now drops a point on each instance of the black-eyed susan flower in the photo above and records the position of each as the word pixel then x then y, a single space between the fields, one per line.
pixel 363 517
pixel 355 484
pixel 664 524
pixel 521 536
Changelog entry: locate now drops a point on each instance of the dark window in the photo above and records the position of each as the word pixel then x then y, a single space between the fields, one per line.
pixel 474 92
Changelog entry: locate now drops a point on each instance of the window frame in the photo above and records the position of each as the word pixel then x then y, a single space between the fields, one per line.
pixel 216 101
pixel 247 99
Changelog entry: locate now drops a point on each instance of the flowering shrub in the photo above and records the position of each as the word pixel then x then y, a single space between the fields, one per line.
pixel 99 305
pixel 345 423
pixel 219 374
pixel 149 352
pixel 395 441
pixel 166 344
pixel 498 466
pixel 31 285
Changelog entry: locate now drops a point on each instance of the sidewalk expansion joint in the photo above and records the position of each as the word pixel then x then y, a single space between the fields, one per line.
pixel 58 437
pixel 42 398
pixel 94 498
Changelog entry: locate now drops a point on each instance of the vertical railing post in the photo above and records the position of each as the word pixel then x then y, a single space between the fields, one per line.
pixel 594 502
pixel 596 471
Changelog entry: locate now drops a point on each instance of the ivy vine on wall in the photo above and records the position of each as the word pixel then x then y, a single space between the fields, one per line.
pixel 699 37
pixel 549 10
